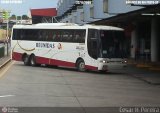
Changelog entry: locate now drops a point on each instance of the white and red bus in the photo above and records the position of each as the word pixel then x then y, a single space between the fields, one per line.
pixel 87 47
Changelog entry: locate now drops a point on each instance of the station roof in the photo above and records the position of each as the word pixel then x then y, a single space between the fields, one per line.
pixel 131 16
pixel 49 12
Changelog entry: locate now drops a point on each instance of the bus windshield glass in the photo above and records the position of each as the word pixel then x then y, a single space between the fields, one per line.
pixel 112 44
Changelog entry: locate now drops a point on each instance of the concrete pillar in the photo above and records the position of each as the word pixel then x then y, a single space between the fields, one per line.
pixel 154 40
pixel 134 36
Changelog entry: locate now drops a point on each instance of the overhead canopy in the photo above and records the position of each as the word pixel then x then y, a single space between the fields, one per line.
pixel 41 15
pixel 132 16
pixel 44 12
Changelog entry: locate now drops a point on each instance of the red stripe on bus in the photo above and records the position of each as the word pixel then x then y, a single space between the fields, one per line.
pixel 17 56
pixel 91 68
pixel 61 63
pixel 41 60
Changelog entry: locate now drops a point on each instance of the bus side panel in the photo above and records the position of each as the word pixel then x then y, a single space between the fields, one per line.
pixel 91 64
pixel 16 54
pixel 61 63
pixel 91 67
pixel 42 60
pixel 64 56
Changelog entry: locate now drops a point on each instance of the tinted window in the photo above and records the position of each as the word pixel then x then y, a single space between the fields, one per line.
pixel 75 36
pixel 92 43
pixel 113 45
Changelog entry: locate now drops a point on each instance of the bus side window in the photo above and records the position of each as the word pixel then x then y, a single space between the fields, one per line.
pixel 34 37
pixel 50 34
pixel 43 35
pixel 63 36
pixel 46 37
pixel 58 36
pixel 25 34
pixel 76 36
pixel 68 38
pixel 15 34
pixel 53 35
pixel 70 35
pixel 14 37
pixel 29 34
pixel 22 34
pixel 40 35
pixel 82 36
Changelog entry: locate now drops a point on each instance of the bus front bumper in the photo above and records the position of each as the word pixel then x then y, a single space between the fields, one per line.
pixel 109 65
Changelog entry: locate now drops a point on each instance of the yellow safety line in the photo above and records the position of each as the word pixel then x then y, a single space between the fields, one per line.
pixel 5 69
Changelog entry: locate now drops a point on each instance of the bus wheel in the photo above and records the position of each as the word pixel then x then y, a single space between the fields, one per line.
pixel 103 71
pixel 25 60
pixel 33 60
pixel 81 65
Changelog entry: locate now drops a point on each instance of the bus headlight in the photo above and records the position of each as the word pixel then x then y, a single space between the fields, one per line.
pixel 103 61
pixel 125 61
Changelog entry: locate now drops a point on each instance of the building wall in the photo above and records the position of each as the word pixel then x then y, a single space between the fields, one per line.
pixel 78 18
pixel 120 6
pixel 113 7
pixel 99 10
pixel 87 15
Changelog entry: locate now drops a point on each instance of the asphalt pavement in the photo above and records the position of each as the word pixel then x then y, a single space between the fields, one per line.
pixel 139 71
pixel 61 90
pixel 143 73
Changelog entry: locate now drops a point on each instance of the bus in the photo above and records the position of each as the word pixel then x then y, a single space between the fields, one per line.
pixel 84 47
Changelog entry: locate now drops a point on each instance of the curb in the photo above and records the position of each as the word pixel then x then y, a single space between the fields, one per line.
pixel 6 62
pixel 149 67
pixel 154 69
pixel 147 81
pixel 143 66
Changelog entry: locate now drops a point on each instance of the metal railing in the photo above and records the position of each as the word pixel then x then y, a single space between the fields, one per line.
pixel 4 49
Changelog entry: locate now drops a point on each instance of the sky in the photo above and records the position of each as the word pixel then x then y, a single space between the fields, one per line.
pixel 21 7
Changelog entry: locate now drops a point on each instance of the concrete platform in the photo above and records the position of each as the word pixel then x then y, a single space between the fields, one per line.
pixel 148 72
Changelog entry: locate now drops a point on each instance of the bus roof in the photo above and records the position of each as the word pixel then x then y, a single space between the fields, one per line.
pixel 65 26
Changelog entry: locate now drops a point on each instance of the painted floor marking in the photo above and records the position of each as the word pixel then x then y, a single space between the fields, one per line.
pixel 3 96
pixel 5 69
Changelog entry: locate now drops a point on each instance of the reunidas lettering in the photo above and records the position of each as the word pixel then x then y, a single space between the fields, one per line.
pixel 45 45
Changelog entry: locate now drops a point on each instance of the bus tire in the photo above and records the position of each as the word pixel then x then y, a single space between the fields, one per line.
pixel 25 59
pixel 81 65
pixel 103 71
pixel 32 60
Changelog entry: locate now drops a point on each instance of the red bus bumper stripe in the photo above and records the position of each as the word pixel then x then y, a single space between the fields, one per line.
pixel 41 60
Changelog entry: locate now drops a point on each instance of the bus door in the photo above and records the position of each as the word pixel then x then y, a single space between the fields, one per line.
pixel 92 45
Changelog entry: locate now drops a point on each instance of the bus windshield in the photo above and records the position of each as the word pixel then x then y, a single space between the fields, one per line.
pixel 112 44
